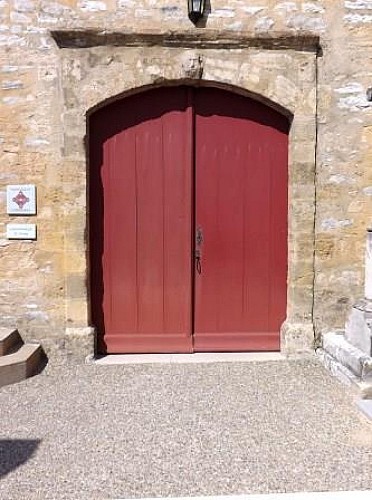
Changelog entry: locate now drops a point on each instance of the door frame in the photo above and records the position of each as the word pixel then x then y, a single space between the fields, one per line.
pixel 294 95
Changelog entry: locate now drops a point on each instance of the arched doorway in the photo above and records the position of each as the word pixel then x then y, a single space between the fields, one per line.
pixel 188 222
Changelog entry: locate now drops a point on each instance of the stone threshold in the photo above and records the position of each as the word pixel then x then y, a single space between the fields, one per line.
pixel 202 39
pixel 222 357
pixel 347 363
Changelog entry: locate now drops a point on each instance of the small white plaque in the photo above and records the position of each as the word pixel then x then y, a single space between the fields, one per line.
pixel 21 199
pixel 21 231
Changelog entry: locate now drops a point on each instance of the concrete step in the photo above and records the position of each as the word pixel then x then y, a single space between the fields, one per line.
pixel 347 363
pixel 28 360
pixel 10 341
pixel 336 344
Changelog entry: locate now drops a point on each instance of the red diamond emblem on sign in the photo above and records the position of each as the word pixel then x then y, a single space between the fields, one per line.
pixel 21 199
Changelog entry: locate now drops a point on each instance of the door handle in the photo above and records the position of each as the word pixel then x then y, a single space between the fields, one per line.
pixel 198 261
pixel 199 241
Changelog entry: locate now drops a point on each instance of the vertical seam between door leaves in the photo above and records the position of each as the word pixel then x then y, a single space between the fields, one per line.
pixel 192 131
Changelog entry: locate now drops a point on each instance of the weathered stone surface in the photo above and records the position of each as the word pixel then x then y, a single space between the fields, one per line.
pixel 362 389
pixel 358 326
pixel 60 60
pixel 337 345
pixel 347 362
pixel 203 39
pixel 297 339
pixel 79 344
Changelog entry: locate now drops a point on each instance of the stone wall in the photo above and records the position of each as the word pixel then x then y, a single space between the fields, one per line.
pixel 60 59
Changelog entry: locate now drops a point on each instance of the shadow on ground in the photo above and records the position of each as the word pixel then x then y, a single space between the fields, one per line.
pixel 15 452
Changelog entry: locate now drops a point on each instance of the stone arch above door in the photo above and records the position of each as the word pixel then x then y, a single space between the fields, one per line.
pixel 284 79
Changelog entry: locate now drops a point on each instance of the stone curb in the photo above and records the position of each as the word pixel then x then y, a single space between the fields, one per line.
pixel 329 495
pixel 350 356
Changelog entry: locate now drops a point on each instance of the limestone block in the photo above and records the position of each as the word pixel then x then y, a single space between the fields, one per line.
pixel 303 153
pixel 362 388
pixel 79 344
pixel 303 272
pixel 297 339
pixel 76 286
pixel 77 262
pixel 287 89
pixel 76 311
pixel 368 267
pixel 305 129
pixel 337 345
pixel 358 328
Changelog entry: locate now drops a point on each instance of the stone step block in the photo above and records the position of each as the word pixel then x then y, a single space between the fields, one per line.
pixel 10 341
pixel 362 388
pixel 359 363
pixel 28 360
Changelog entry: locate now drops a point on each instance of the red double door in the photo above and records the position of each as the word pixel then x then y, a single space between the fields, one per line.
pixel 188 222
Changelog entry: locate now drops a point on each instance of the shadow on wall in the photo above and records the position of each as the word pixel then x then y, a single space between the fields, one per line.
pixel 15 452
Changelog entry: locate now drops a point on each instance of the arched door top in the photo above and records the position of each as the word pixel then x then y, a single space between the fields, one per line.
pixel 240 91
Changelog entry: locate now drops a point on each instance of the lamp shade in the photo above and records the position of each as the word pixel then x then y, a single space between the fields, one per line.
pixel 196 9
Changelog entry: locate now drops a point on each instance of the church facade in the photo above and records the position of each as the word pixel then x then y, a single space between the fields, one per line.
pixel 179 186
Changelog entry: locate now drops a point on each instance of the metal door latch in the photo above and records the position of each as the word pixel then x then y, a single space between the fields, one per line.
pixel 198 261
pixel 199 236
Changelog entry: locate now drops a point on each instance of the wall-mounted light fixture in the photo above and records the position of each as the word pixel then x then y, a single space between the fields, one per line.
pixel 196 9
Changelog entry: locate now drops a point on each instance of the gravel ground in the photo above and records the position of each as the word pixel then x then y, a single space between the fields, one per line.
pixel 181 429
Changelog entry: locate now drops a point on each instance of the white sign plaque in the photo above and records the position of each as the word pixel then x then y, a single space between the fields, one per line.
pixel 21 231
pixel 21 199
